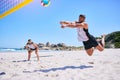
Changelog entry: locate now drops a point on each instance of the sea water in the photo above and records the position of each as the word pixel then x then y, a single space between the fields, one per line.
pixel 19 50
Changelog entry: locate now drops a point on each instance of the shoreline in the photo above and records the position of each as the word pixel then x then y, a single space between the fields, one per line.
pixel 50 50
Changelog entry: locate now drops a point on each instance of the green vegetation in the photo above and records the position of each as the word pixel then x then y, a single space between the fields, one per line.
pixel 113 40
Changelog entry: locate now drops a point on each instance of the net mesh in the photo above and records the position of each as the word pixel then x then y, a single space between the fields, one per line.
pixel 9 6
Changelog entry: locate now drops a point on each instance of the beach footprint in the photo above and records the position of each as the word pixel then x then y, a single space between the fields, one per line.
pixel 91 62
pixel 2 73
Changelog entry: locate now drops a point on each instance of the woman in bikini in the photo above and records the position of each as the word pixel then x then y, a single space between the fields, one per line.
pixel 30 46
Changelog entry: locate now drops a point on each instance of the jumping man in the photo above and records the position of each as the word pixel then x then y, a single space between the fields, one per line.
pixel 88 40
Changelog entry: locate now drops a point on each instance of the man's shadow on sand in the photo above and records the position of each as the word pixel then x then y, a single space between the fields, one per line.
pixel 61 68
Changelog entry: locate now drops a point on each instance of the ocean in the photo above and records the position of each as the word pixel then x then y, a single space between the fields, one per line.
pixel 10 49
pixel 19 50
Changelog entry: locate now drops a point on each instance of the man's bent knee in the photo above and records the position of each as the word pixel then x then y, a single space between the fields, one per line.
pixel 90 53
pixel 101 49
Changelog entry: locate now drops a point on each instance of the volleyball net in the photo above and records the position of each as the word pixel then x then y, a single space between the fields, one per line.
pixel 9 6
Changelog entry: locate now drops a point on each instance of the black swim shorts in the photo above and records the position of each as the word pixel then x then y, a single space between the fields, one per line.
pixel 32 49
pixel 90 43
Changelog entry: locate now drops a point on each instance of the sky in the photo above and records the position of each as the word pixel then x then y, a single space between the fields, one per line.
pixel 41 24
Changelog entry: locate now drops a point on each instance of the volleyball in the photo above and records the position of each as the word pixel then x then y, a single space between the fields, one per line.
pixel 45 3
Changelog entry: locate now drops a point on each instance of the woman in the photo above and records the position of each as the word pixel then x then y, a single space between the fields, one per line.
pixel 30 46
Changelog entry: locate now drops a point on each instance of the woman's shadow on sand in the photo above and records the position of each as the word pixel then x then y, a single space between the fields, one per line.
pixel 32 57
pixel 61 68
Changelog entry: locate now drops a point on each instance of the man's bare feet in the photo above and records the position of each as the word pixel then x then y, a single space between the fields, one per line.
pixel 103 36
pixel 103 40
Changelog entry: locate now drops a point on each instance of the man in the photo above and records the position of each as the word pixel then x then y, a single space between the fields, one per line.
pixel 88 40
pixel 30 46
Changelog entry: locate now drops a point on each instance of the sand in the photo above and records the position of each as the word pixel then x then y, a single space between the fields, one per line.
pixel 61 65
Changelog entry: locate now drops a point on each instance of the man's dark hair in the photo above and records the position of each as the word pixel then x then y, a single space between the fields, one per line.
pixel 81 15
pixel 29 39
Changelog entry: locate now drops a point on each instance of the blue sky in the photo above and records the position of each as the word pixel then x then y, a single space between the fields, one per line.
pixel 42 24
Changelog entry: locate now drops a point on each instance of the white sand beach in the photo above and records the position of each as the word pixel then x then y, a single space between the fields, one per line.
pixel 61 65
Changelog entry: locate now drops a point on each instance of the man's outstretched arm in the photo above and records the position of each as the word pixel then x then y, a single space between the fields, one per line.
pixel 71 24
